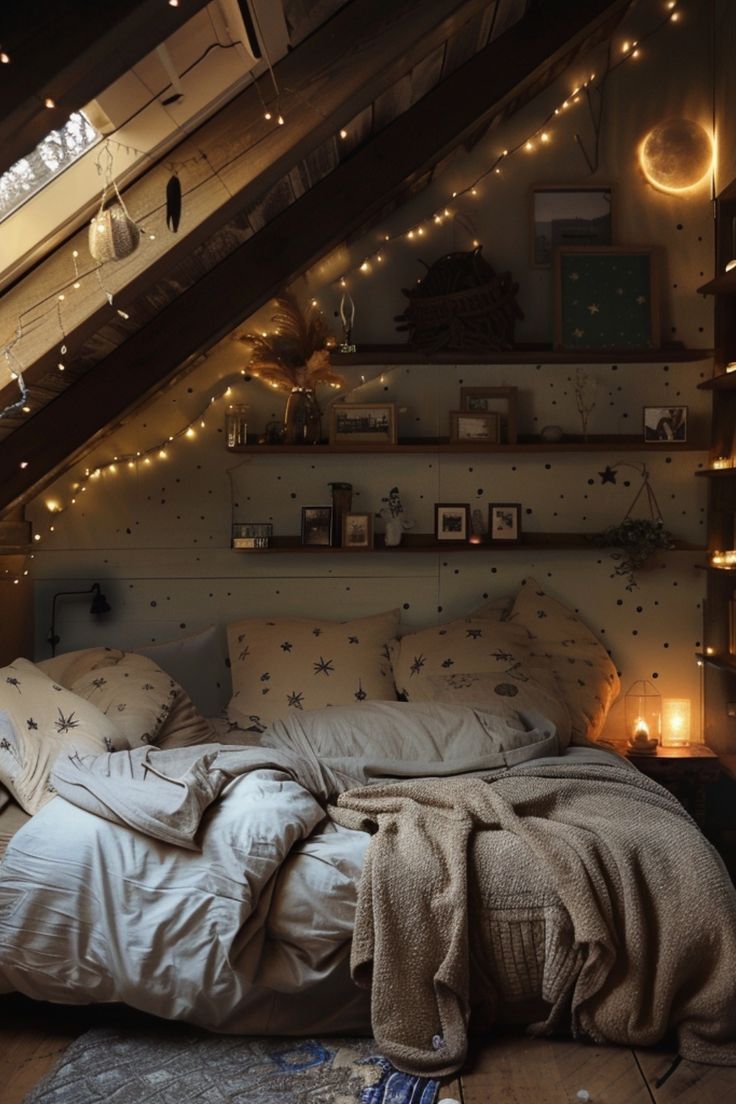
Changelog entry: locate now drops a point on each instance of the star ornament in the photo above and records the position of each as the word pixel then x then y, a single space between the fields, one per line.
pixel 593 308
pixel 608 475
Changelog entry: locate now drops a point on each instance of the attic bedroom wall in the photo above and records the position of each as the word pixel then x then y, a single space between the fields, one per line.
pixel 157 535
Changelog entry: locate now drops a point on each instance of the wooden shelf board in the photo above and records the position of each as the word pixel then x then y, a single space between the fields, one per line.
pixel 716 473
pixel 597 443
pixel 724 381
pixel 725 284
pixel 426 542
pixel 522 354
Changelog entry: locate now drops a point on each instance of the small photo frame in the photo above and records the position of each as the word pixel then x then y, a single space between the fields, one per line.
pixel 569 215
pixel 451 521
pixel 316 525
pixel 486 400
pixel 606 297
pixel 252 534
pixel 363 424
pixel 665 425
pixel 475 426
pixel 504 522
pixel 357 531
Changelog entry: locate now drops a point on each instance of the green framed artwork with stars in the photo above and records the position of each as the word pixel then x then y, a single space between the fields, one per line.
pixel 606 297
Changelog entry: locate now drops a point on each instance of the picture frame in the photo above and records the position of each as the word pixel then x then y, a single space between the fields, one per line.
pixel 665 425
pixel 363 424
pixel 606 297
pixel 482 426
pixel 317 525
pixel 452 521
pixel 252 534
pixel 357 532
pixel 504 522
pixel 501 399
pixel 569 215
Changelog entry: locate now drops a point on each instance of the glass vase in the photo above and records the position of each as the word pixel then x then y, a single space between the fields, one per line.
pixel 302 421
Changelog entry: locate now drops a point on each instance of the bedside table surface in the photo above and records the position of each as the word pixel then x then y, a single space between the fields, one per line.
pixel 689 751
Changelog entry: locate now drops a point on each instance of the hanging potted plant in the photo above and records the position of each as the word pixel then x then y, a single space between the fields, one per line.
pixel 635 539
pixel 295 358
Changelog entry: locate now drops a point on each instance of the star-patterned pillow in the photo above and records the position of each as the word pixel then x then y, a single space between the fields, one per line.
pixel 585 673
pixel 40 720
pixel 146 704
pixel 471 645
pixel 282 665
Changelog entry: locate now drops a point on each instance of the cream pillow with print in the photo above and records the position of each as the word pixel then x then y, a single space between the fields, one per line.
pixel 279 665
pixel 471 644
pixel 40 720
pixel 565 646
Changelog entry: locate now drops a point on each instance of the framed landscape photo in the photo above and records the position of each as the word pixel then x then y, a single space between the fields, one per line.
pixel 665 424
pixel 357 531
pixel 606 297
pixel 504 522
pixel 486 400
pixel 452 521
pixel 475 425
pixel 316 525
pixel 363 424
pixel 569 215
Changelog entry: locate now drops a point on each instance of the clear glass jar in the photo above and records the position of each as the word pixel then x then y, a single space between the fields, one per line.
pixel 236 425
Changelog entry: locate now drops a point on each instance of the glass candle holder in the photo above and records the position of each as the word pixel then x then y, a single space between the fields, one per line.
pixel 236 425
pixel 675 722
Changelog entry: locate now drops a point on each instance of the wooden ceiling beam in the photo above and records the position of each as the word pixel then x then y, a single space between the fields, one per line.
pixel 297 238
pixel 71 52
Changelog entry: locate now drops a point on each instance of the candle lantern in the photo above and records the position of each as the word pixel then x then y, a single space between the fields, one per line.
pixel 676 722
pixel 643 706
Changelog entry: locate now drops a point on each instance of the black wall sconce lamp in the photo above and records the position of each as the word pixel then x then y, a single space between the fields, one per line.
pixel 99 606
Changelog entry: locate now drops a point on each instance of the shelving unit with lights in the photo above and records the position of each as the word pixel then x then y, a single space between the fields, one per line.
pixel 717 657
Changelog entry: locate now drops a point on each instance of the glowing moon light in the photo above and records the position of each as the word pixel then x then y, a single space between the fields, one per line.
pixel 676 155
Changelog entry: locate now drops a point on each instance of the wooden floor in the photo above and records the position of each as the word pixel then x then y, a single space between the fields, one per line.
pixel 510 1069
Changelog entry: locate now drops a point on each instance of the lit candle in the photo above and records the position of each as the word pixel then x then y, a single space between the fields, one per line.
pixel 641 729
pixel 476 538
pixel 722 462
pixel 676 722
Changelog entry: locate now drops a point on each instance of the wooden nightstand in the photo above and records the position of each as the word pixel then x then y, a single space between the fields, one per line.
pixel 684 771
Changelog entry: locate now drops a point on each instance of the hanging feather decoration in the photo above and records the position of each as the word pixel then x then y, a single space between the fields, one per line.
pixel 173 203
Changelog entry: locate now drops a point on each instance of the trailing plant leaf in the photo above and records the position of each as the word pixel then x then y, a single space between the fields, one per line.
pixel 633 541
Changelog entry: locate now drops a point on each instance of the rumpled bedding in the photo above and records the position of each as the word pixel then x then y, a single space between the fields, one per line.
pixel 209 884
pixel 652 909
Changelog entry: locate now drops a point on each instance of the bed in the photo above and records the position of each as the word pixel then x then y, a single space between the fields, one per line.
pixel 462 857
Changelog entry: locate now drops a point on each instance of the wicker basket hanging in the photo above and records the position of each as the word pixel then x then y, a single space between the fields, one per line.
pixel 113 235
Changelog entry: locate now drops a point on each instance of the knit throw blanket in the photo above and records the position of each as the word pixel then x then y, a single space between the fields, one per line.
pixel 651 906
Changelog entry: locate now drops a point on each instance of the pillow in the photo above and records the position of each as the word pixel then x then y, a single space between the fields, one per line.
pixel 470 644
pixel 584 670
pixel 68 666
pixel 40 720
pixel 281 665
pixel 495 609
pixel 198 662
pixel 537 693
pixel 134 692
pixel 146 704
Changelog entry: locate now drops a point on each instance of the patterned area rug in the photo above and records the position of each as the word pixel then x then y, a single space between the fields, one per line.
pixel 184 1067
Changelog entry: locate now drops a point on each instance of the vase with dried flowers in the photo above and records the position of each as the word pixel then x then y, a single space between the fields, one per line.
pixel 295 358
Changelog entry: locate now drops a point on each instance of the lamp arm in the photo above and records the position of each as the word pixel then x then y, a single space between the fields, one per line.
pixel 52 638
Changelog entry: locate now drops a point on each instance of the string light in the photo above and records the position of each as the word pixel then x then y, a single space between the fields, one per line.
pixel 541 136
pixel 157 451
pixel 48 102
pixel 4 58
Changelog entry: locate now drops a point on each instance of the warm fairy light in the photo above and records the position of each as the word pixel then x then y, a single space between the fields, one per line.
pixel 545 136
pixel 162 454
pixel 123 314
pixel 131 464
pixel 36 536
pixel 267 116
pixel 52 505
pixel 61 297
pixel 280 120
pixel 48 102
pixel 190 433
pixel 4 58
pixel 343 133
pixel 61 366
pixel 173 3
pixel 529 145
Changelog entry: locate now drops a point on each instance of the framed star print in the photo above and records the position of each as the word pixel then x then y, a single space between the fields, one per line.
pixel 606 297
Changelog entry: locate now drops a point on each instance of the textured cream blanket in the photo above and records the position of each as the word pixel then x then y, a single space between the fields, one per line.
pixel 651 905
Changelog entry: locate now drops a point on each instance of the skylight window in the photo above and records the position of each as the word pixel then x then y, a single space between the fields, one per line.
pixel 57 150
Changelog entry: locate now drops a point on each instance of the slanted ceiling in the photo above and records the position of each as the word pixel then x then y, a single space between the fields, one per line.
pixel 410 79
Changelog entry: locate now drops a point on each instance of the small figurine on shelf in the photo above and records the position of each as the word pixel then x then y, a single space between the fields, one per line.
pixel 392 513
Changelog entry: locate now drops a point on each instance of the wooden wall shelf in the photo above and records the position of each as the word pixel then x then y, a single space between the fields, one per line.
pixel 524 354
pixel 427 542
pixel 724 381
pixel 598 443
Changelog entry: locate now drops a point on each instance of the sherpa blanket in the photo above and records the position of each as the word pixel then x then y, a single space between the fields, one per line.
pixel 651 905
